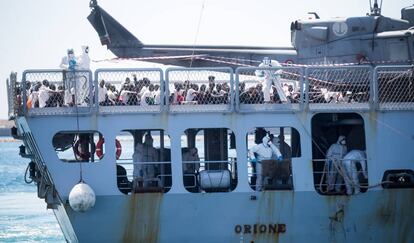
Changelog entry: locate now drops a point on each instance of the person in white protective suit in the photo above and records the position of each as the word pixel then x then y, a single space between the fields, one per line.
pixel 69 63
pixel 270 77
pixel 264 151
pixel 334 156
pixel 144 168
pixel 350 171
pixel 84 60
pixel 82 83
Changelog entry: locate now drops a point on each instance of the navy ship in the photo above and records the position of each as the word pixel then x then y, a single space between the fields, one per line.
pixel 249 144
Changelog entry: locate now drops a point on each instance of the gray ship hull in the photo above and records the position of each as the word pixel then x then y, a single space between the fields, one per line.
pixel 376 216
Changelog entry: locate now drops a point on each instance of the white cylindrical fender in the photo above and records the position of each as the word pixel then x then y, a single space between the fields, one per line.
pixel 81 197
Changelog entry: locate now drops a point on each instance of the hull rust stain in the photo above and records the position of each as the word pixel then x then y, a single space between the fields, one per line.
pixel 143 218
pixel 267 228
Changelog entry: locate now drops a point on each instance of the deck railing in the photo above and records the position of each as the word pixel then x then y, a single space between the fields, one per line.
pixel 199 89
pixel 344 176
pixel 14 96
pixel 339 88
pixel 57 92
pixel 183 90
pixel 151 175
pixel 129 90
pixel 394 87
pixel 269 89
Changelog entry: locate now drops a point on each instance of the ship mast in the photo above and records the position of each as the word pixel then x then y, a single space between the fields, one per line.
pixel 375 9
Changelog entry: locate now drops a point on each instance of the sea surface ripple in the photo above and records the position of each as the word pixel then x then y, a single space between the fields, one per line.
pixel 23 216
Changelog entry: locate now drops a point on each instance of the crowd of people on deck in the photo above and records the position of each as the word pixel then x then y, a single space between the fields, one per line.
pixel 266 88
pixel 209 92
pixel 143 92
pixel 44 94
pixel 137 92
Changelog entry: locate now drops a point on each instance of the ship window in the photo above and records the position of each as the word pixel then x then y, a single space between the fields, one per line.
pixel 338 154
pixel 78 146
pixel 209 160
pixel 270 153
pixel 397 50
pixel 143 161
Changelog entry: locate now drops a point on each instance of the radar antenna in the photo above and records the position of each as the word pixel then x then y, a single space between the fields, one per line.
pixel 375 10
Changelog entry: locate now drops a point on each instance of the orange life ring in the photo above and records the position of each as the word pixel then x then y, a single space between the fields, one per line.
pixel 99 148
pixel 78 154
pixel 118 149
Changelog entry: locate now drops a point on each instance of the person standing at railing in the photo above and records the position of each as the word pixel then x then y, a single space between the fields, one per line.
pixel 157 94
pixel 264 151
pixel 112 95
pixel 102 93
pixel 44 94
pixel 76 89
pixel 125 94
pixel 271 77
pixel 68 64
pixel 191 93
pixel 33 99
pixel 334 156
pixel 54 97
pixel 82 85
pixel 147 97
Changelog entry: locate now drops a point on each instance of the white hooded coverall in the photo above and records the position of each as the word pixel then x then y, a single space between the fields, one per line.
pixel 145 153
pixel 335 154
pixel 271 77
pixel 264 151
pixel 349 164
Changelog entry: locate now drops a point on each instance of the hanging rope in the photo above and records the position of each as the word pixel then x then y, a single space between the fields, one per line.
pixel 77 119
pixel 197 32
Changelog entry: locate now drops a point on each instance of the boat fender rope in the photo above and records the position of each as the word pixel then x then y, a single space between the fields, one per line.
pixel 28 168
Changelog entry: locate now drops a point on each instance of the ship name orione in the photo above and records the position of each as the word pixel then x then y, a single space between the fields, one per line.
pixel 259 228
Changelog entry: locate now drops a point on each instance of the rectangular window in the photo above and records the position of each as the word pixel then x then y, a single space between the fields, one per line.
pixel 143 159
pixel 270 152
pixel 338 152
pixel 78 146
pixel 209 160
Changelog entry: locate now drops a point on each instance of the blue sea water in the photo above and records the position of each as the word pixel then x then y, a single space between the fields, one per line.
pixel 23 216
